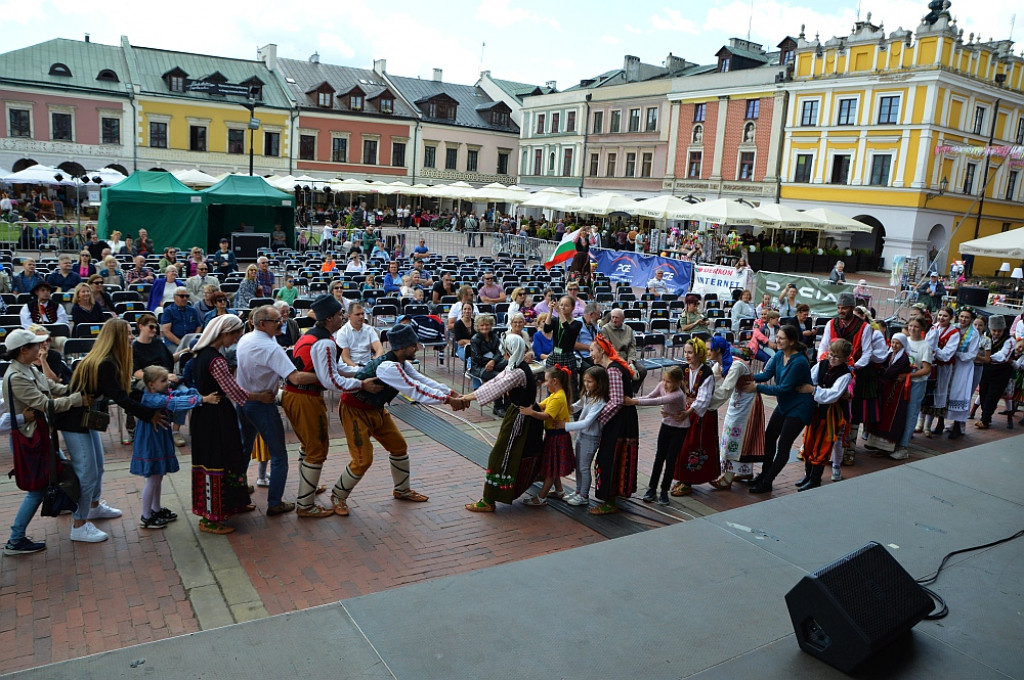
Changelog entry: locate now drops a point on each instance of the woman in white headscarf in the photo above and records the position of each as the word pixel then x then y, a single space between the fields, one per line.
pixel 512 465
pixel 893 397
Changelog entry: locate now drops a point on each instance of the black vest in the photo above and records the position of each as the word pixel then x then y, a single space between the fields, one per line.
pixel 384 397
pixel 527 394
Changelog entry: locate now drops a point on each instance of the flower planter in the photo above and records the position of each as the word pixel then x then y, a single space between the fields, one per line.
pixel 787 262
pixel 755 260
pixel 770 262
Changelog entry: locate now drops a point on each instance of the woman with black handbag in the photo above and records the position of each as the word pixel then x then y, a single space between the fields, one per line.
pixel 28 391
pixel 104 374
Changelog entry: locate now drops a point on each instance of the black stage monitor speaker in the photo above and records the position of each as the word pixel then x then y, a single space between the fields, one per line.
pixel 849 610
pixel 973 296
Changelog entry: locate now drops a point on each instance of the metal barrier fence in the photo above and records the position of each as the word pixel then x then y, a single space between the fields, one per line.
pixel 473 243
pixel 44 236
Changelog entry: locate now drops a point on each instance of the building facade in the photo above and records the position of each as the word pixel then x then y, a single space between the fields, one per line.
pixel 875 126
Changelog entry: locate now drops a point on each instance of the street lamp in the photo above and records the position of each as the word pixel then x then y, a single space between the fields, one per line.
pixel 254 123
pixel 943 185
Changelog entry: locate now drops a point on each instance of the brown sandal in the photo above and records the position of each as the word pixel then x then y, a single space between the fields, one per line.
pixel 980 425
pixel 480 506
pixel 214 527
pixel 720 484
pixel 410 495
pixel 681 490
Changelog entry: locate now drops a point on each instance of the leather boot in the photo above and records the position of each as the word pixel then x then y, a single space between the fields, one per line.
pixel 957 431
pixel 807 474
pixel 940 425
pixel 815 481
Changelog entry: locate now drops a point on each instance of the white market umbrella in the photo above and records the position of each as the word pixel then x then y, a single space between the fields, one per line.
pixel 664 207
pixel 551 199
pixel 456 190
pixel 108 176
pixel 837 222
pixel 727 213
pixel 789 218
pixel 1007 245
pixel 604 203
pixel 39 174
pixel 498 193
pixel 194 178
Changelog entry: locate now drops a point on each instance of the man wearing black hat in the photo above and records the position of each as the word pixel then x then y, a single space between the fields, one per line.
pixel 43 310
pixel 363 415
pixel 997 373
pixel 317 352
pixel 847 326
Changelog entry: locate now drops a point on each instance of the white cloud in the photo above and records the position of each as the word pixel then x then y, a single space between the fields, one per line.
pixel 610 40
pixel 633 29
pixel 501 13
pixel 673 20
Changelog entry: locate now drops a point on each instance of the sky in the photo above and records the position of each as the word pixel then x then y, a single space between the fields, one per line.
pixel 526 41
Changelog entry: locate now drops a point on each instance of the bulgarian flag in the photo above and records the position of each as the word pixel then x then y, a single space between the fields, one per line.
pixel 565 251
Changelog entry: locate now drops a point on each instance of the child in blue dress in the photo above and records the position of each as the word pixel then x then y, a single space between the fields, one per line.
pixel 153 453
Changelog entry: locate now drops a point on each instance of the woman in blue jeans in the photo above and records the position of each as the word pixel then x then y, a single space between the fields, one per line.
pixel 28 392
pixel 921 359
pixel 104 374
pixel 790 369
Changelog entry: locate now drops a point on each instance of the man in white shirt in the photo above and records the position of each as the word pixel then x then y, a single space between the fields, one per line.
pixel 658 285
pixel 358 341
pixel 43 310
pixel 262 364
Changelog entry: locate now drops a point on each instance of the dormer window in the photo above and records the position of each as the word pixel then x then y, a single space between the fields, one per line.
pixel 787 57
pixel 355 102
pixel 724 64
pixel 323 99
pixel 175 79
pixel 500 118
pixel 387 105
pixel 60 69
pixel 106 75
pixel 255 86
pixel 177 84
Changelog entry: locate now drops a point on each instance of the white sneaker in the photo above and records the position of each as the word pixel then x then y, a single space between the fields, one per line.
pixel 87 533
pixel 577 500
pixel 837 474
pixel 900 454
pixel 104 511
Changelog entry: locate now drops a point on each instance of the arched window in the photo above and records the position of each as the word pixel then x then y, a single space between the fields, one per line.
pixel 698 134
pixel 59 69
pixel 551 162
pixel 108 76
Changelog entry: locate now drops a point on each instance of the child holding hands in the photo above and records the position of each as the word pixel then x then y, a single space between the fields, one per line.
pixel 557 459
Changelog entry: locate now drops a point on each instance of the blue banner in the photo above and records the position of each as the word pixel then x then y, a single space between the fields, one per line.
pixel 637 269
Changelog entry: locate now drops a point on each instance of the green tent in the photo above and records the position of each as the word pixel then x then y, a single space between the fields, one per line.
pixel 173 214
pixel 241 199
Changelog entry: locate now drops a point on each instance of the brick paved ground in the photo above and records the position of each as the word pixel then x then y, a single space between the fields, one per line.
pixel 78 599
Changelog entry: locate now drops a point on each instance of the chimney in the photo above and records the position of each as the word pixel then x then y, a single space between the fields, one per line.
pixel 674 64
pixel 550 84
pixel 86 37
pixel 437 75
pixel 485 74
pixel 268 55
pixel 380 66
pixel 631 68
pixel 315 58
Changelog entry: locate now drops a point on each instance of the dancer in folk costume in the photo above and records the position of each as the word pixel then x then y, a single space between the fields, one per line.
pixel 697 462
pixel 675 423
pixel 616 461
pixel 997 375
pixel 742 438
pixel 963 373
pixel 944 337
pixel 831 381
pixel 847 326
pixel 980 361
pixel 885 433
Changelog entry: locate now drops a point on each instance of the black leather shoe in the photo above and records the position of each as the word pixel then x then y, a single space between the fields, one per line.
pixel 761 488
pixel 807 478
pixel 751 482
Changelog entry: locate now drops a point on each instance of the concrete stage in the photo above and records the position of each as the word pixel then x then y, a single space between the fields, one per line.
pixel 703 598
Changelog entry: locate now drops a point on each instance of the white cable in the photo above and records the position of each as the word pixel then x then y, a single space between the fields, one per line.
pixel 488 439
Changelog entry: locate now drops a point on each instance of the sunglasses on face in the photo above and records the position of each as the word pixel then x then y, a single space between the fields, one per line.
pixel 153 327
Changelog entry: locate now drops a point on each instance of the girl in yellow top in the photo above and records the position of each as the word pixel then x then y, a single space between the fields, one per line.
pixel 557 459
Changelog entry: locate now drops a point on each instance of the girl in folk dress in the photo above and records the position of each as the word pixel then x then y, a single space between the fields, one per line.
pixel 594 398
pixel 983 358
pixel 823 437
pixel 697 462
pixel 944 337
pixel 153 453
pixel 674 423
pixel 742 437
pixel 557 459
pixel 963 373
pixel 885 433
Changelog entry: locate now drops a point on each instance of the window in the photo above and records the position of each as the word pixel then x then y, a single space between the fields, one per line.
pixel 788 56
pixel 540 124
pixel 451 159
pixel 503 162
pixel 177 83
pixel 60 126
pixel 398 154
pixel 609 169
pixel 555 120
pixel 369 152
pixel 158 135
pixel 430 156
pixel 442 108
pixel 472 160
pixel 652 119
pixel 598 122
pixel 272 144
pixel 753 109
pixel 747 165
pixel 355 102
pixel 634 120
pixel 567 163
pixel 570 121
pixel 236 141
pixel 725 64
pixel 106 75
pixel 693 165
pixel 841 169
pixel 500 118
pixel 888 110
pixel 979 120
pixel 880 165
pixel 847 112
pixel 197 138
pixel 809 113
pixel 594 160
pixel 59 69
pixel 339 150
pixel 307 147
pixel 616 122
pixel 21 123
pixel 1011 185
pixel 630 164
pixel 1020 131
pixel 323 99
pixel 646 161
pixel 804 161
pixel 538 162
pixel 699 111
pixel 386 105
pixel 551 163
pixel 972 168
pixel 110 130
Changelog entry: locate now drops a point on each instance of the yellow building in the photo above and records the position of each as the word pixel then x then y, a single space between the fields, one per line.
pixel 875 129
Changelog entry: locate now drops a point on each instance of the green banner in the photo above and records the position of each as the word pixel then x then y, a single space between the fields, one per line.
pixel 819 294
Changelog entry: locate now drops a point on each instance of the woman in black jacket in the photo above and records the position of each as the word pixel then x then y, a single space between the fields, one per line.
pixel 487 358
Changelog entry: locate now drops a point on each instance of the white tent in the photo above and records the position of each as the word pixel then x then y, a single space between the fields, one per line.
pixel 39 174
pixel 108 176
pixel 1008 245
pixel 549 198
pixel 195 178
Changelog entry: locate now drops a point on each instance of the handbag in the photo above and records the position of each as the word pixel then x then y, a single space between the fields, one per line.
pixel 64 490
pixel 81 417
pixel 30 469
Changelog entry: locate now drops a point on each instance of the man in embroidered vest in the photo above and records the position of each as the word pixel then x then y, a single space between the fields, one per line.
pixel 363 415
pixel 317 352
pixel 43 310
pixel 847 326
